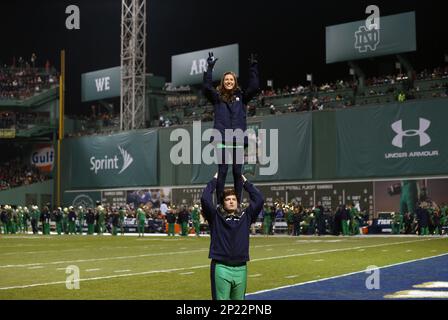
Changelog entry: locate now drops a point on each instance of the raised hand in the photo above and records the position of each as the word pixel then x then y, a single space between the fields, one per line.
pixel 253 59
pixel 211 60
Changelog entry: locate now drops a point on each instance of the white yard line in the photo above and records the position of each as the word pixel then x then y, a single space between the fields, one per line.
pixel 254 275
pixel 102 259
pixel 208 265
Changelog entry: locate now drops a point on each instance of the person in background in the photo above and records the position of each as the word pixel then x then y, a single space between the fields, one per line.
pixel 122 214
pixel 57 215
pixel 90 219
pixel 171 220
pixel 196 220
pixel 141 217
pixel 71 220
pixel 81 218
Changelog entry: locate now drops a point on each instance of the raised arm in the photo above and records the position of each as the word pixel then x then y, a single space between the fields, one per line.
pixel 207 199
pixel 254 80
pixel 256 199
pixel 207 86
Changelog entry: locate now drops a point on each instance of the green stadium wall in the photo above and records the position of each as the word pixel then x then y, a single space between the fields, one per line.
pixel 35 194
pixel 352 144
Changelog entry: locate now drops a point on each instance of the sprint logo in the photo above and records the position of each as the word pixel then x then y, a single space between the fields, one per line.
pixel 111 163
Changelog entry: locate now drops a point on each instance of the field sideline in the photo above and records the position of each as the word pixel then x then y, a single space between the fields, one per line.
pixel 158 267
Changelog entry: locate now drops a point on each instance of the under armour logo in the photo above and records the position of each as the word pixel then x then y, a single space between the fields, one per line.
pixel 398 128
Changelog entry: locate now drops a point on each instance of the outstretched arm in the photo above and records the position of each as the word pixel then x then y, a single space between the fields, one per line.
pixel 207 86
pixel 256 199
pixel 254 80
pixel 207 199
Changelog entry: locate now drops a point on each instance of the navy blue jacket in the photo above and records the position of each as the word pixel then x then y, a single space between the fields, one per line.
pixel 422 217
pixel 231 115
pixel 229 237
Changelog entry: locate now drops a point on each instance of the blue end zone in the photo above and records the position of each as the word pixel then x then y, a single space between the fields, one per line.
pixel 353 287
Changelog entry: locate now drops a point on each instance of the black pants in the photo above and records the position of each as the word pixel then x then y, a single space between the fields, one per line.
pixel 296 231
pixel 34 226
pixel 225 155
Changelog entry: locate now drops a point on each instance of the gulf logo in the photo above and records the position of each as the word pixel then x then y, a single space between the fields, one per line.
pixel 43 158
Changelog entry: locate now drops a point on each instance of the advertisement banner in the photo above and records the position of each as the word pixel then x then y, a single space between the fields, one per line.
pixel 101 84
pixel 43 157
pixel 188 68
pixel 360 40
pixel 397 140
pixel 120 160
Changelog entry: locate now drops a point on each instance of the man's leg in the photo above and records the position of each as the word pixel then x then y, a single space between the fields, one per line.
pixel 238 291
pixel 220 284
pixel 345 227
pixel 197 228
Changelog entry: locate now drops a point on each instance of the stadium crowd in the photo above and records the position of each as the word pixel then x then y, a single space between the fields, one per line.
pixel 312 97
pixel 23 79
pixel 14 173
pixel 295 220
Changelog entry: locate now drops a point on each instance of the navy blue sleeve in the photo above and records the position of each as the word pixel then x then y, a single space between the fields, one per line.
pixel 254 84
pixel 207 200
pixel 207 87
pixel 256 201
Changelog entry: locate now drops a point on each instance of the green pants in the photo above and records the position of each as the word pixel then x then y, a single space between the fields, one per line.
pixel 197 227
pixel 396 228
pixel 355 227
pixel 81 224
pixel 100 227
pixel 424 231
pixel 228 282
pixel 170 229
pixel 71 227
pixel 344 224
pixel 90 228
pixel 267 226
pixel 59 227
pixel 65 227
pixel 184 227
pixel 122 226
pixel 46 228
pixel 13 228
pixel 141 228
pixel 114 230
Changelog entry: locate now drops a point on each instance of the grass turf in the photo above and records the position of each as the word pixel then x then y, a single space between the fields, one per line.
pixel 33 267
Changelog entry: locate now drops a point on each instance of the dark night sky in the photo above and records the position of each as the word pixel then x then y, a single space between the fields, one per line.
pixel 289 36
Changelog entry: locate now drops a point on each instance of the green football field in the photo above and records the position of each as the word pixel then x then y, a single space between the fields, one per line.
pixel 158 267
